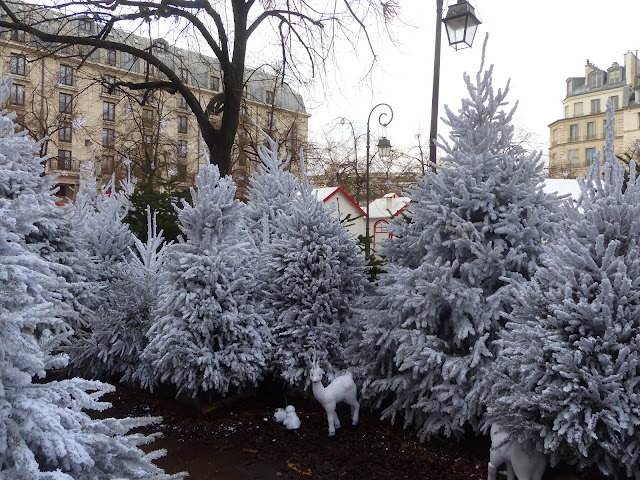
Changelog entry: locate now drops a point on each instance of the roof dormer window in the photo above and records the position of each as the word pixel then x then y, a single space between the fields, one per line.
pixel 595 79
pixel 614 76
pixel 84 26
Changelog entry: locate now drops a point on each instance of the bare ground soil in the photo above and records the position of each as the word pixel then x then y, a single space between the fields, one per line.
pixel 237 439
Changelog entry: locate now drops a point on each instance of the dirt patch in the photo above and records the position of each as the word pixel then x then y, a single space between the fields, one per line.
pixel 239 440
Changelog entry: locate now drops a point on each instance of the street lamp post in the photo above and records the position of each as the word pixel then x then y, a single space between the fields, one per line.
pixel 384 149
pixel 461 23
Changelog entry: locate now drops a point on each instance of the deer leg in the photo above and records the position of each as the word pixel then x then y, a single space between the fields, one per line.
pixel 336 421
pixel 492 472
pixel 330 417
pixel 355 411
pixel 510 473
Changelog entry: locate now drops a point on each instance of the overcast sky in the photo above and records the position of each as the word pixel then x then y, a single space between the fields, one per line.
pixel 538 44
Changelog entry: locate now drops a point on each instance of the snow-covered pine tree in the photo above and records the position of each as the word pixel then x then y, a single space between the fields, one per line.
pixel 272 189
pixel 475 226
pixel 567 381
pixel 315 275
pixel 117 339
pixel 45 431
pixel 209 334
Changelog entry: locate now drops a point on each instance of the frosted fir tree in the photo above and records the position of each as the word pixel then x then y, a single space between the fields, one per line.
pixel 45 430
pixel 272 189
pixel 315 275
pixel 117 339
pixel 567 380
pixel 475 227
pixel 209 335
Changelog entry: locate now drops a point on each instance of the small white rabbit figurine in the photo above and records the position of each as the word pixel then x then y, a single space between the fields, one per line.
pixel 280 415
pixel 292 422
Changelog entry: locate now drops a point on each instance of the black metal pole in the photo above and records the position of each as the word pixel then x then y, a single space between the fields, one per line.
pixel 367 247
pixel 436 89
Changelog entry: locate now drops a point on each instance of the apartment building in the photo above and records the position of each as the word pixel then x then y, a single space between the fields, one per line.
pixel 575 138
pixel 71 101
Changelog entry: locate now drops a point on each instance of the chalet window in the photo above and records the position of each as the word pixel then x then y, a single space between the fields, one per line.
pixel 65 103
pixel 109 111
pixel 64 160
pixel 18 64
pixel 66 75
pixel 65 131
pixel 108 137
pixel 182 124
pixel 16 97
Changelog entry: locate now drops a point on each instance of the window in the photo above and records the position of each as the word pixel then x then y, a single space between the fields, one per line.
pixel 147 117
pixel 615 76
pixel 108 84
pixel 16 97
pixel 577 109
pixel 614 99
pixel 268 118
pixel 573 132
pixel 269 97
pixel 595 106
pixel 595 79
pixel 183 74
pixel 64 160
pixel 573 157
pixel 65 103
pixel 66 75
pixel 85 26
pixel 245 91
pixel 18 36
pixel 215 83
pixel 18 64
pixel 182 148
pixel 64 132
pixel 147 139
pixel 182 124
pixel 294 137
pixel 109 111
pixel 129 62
pixel 566 111
pixel 108 137
pixel 107 164
pixel 591 130
pixel 590 155
pixel 181 102
pixel 110 57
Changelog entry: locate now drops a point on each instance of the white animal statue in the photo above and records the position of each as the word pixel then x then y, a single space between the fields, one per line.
pixel 280 415
pixel 291 421
pixel 526 465
pixel 341 389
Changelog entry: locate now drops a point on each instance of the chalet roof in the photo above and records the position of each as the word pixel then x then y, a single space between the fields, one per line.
pixel 326 193
pixel 388 206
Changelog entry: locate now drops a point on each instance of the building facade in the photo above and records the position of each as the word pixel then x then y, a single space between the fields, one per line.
pixel 575 138
pixel 67 97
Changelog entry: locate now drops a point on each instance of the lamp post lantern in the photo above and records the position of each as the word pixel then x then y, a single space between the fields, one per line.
pixel 461 23
pixel 384 149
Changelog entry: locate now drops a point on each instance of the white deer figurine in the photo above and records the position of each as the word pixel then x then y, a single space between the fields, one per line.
pixel 341 389
pixel 527 465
